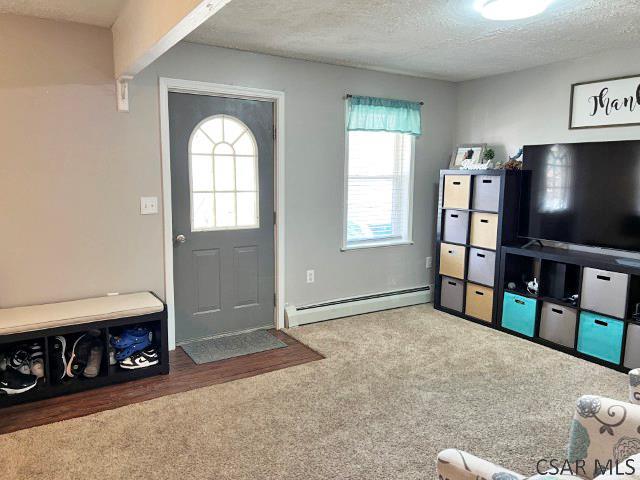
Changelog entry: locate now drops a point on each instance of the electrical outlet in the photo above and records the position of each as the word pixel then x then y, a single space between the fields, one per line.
pixel 311 276
pixel 148 205
pixel 429 263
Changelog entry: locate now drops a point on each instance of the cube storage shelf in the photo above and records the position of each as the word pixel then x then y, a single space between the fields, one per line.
pixel 585 302
pixel 476 215
pixel 597 325
pixel 109 374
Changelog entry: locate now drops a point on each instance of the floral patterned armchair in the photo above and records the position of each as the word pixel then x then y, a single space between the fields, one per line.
pixel 603 434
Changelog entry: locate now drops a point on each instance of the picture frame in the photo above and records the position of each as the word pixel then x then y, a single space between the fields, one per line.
pixel 468 153
pixel 611 102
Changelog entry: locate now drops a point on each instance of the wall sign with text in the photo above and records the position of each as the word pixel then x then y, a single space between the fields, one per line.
pixel 605 103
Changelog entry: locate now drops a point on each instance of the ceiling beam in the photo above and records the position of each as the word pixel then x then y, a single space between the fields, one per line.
pixel 145 29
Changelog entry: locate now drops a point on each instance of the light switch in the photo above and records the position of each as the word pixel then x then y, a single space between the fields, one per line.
pixel 148 205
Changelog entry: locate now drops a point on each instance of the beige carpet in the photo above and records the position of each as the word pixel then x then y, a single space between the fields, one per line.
pixel 396 388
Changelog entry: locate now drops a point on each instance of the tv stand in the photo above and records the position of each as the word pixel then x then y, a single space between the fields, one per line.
pixel 586 304
pixel 629 262
pixel 533 242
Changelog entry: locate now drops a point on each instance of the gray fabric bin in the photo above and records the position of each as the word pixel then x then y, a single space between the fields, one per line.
pixel 604 292
pixel 558 324
pixel 452 293
pixel 482 266
pixel 456 226
pixel 632 347
pixel 486 193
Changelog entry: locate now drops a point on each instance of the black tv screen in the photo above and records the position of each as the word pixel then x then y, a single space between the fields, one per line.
pixel 582 193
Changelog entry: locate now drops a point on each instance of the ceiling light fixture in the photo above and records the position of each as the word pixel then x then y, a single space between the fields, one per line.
pixel 511 9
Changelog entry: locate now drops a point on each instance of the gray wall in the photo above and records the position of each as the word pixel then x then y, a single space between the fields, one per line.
pixel 314 170
pixel 532 106
pixel 73 169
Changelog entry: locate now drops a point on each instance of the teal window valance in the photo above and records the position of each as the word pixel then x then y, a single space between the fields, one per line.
pixel 384 115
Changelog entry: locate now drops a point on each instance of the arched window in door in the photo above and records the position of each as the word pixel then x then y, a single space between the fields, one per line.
pixel 223 170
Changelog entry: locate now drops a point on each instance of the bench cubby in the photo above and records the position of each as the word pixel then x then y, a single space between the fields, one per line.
pixel 49 387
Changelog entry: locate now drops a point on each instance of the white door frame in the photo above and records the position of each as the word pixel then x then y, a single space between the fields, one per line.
pixel 167 85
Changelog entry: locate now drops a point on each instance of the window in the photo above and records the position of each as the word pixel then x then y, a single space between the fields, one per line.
pixel 379 185
pixel 223 169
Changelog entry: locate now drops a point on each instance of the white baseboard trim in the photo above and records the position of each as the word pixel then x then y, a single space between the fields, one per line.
pixel 296 316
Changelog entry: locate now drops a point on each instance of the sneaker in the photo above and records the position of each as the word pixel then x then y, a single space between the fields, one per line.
pixel 13 382
pixel 19 360
pixel 36 359
pixel 131 336
pixel 4 362
pixel 58 358
pixel 80 352
pixel 134 348
pixel 95 359
pixel 143 359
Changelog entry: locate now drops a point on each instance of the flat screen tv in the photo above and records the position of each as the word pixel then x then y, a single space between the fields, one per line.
pixel 582 193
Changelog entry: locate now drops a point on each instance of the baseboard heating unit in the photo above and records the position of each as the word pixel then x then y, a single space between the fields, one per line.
pixel 347 307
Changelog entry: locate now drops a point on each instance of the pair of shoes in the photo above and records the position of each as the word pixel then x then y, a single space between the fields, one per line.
pixel 27 359
pixel 86 355
pixel 134 349
pixel 13 382
pixel 130 341
pixel 145 358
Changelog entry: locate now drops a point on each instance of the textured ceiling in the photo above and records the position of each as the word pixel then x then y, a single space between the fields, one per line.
pixel 93 12
pixel 444 39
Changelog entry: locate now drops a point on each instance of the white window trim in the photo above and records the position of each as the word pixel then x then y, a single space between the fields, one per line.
pixel 392 241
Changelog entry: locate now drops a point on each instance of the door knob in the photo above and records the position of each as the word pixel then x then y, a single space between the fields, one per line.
pixel 181 238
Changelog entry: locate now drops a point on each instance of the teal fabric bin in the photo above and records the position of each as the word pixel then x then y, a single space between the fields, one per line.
pixel 600 336
pixel 519 314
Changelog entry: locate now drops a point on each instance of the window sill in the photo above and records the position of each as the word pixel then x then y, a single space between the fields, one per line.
pixel 361 246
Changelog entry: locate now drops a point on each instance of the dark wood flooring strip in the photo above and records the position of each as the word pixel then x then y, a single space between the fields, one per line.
pixel 185 375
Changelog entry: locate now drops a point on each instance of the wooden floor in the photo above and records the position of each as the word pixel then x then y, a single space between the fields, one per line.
pixel 185 375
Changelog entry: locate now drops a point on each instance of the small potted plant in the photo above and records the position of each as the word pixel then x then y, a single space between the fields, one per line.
pixel 488 156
